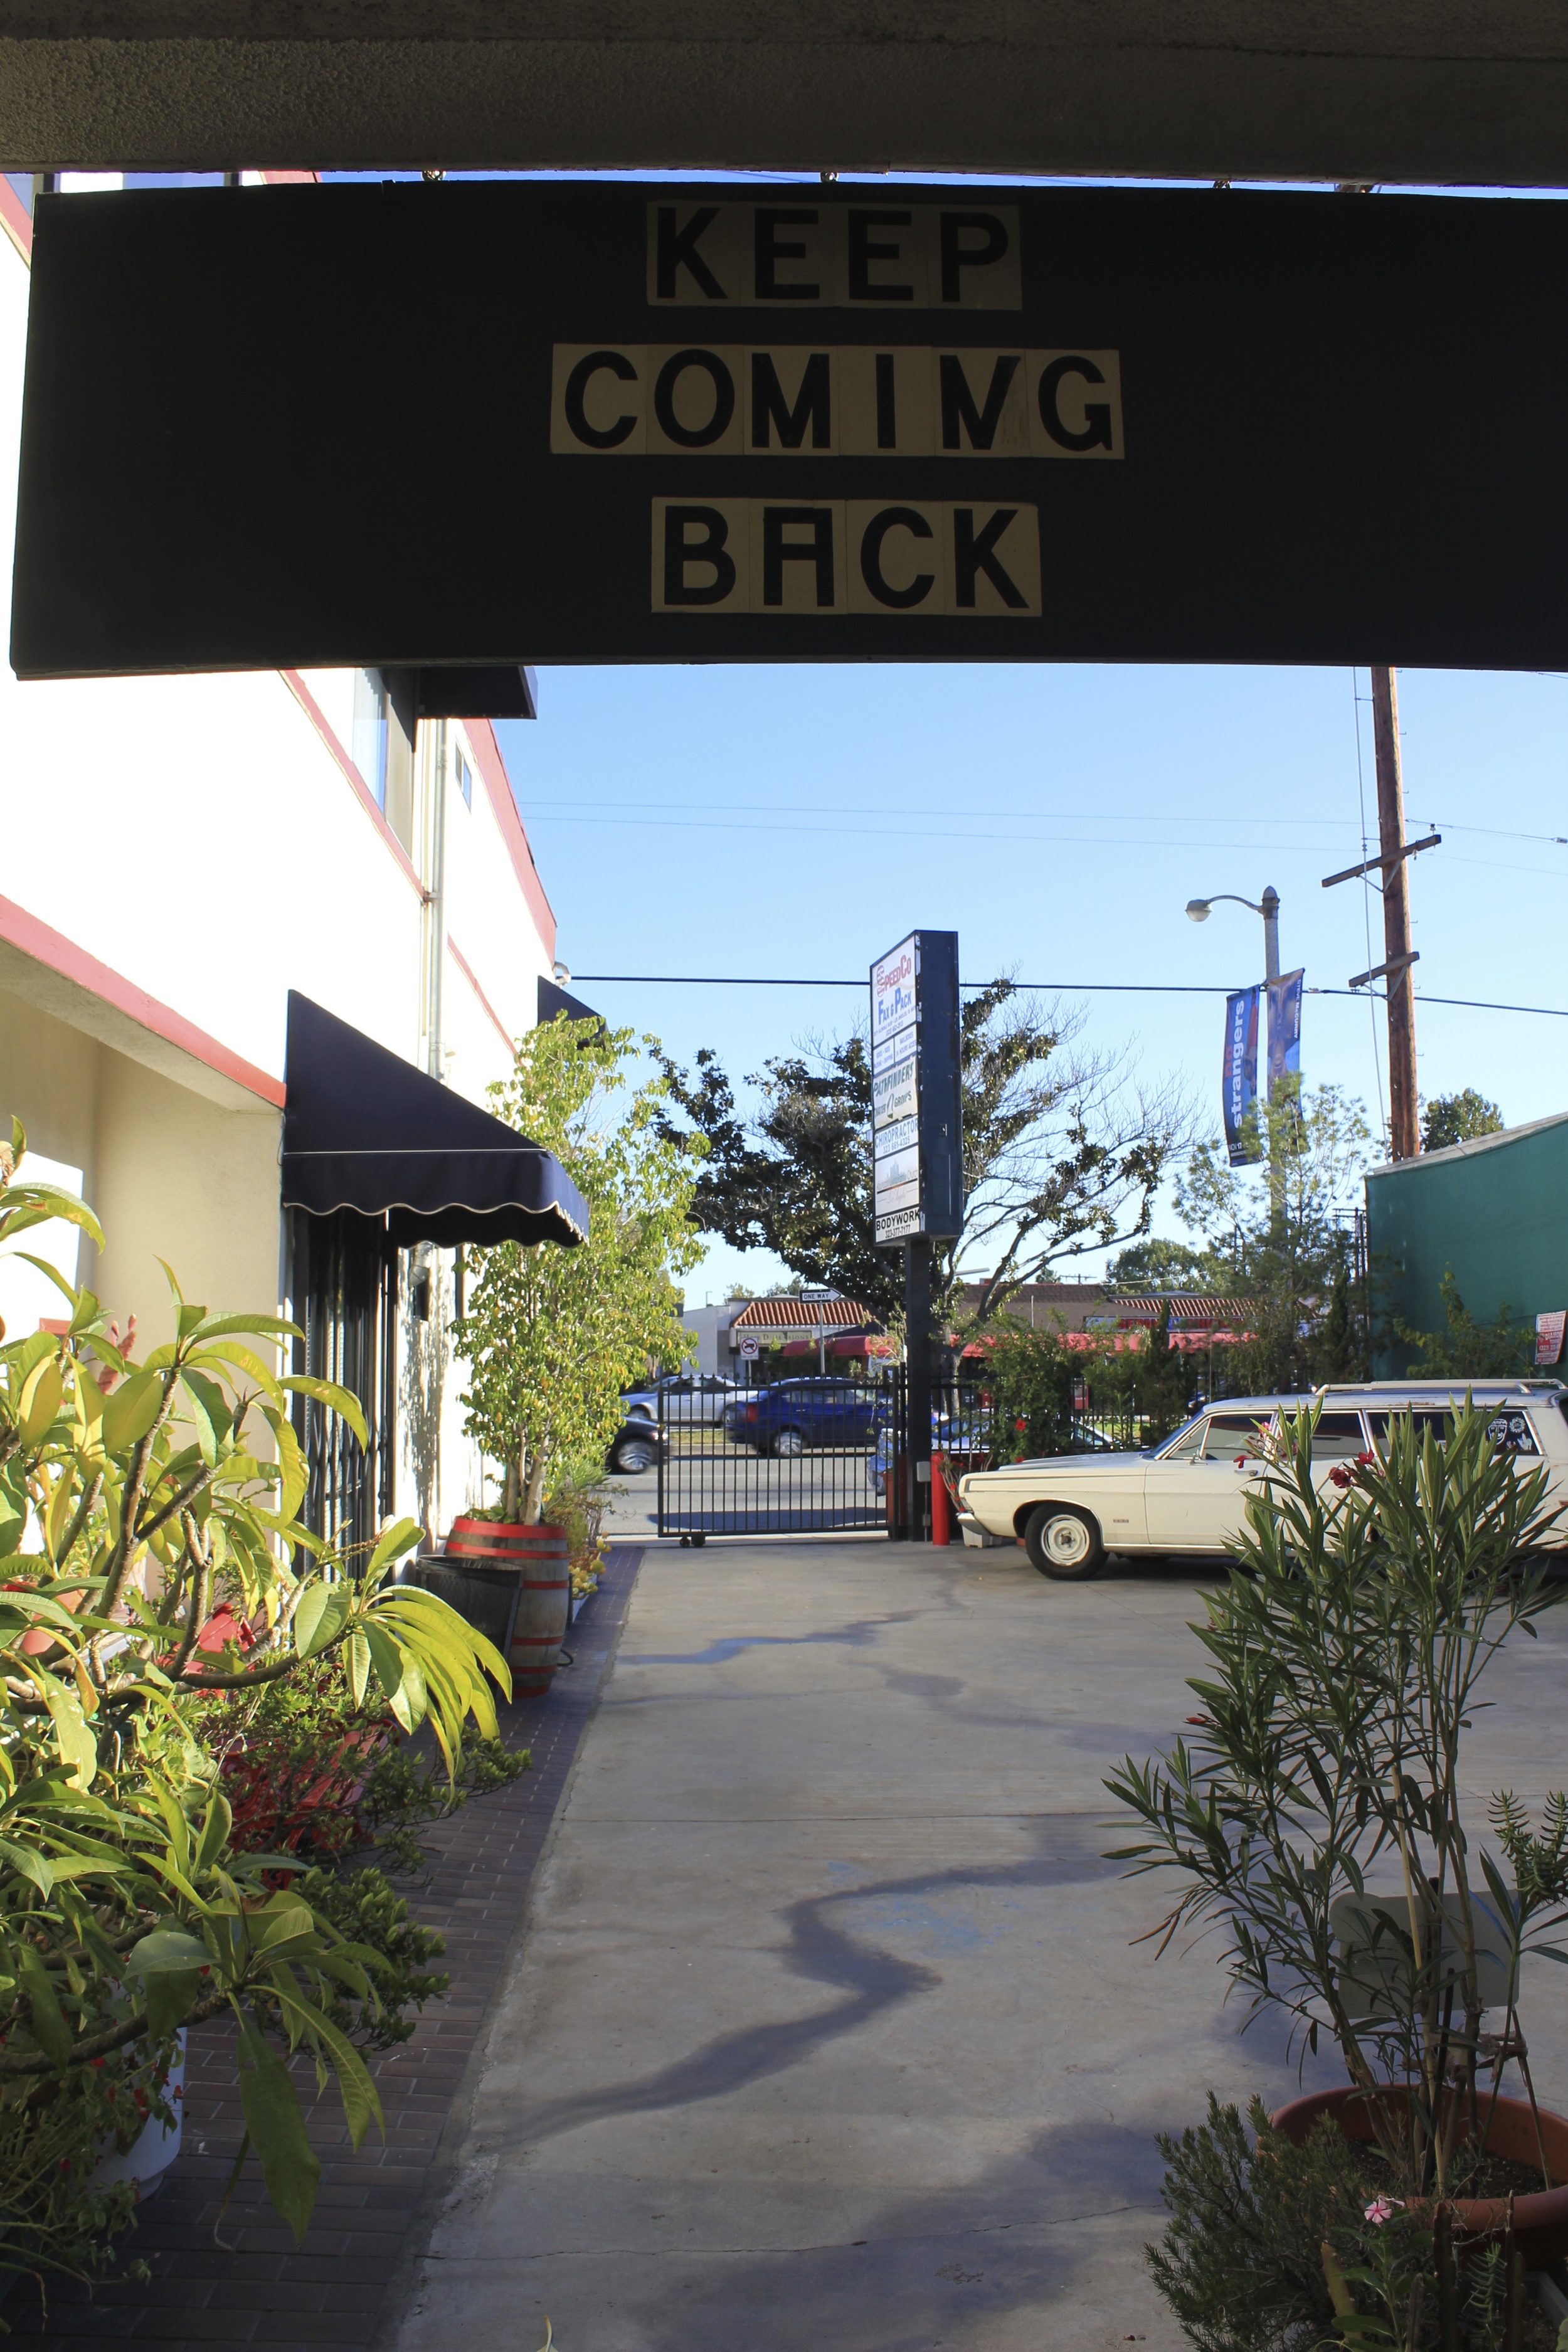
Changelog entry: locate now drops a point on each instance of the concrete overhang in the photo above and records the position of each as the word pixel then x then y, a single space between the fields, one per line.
pixel 1461 92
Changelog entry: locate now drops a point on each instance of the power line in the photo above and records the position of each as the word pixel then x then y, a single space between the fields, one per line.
pixel 1032 987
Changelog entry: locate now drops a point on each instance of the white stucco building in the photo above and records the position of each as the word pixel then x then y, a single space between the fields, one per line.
pixel 176 855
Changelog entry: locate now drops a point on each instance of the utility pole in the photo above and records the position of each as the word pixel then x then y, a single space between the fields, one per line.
pixel 1399 981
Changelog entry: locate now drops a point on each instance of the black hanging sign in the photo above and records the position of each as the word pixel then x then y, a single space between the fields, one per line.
pixel 496 422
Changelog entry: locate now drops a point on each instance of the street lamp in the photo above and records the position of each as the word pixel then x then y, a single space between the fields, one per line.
pixel 1198 912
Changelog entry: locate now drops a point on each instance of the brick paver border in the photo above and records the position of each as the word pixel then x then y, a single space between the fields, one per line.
pixel 334 2289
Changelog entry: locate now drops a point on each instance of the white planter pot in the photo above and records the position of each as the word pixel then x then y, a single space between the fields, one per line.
pixel 151 2154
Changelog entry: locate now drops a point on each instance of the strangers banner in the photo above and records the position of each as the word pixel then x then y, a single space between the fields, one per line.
pixel 1284 1029
pixel 1239 1080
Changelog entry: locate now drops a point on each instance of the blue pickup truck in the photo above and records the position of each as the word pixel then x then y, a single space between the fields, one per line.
pixel 792 1415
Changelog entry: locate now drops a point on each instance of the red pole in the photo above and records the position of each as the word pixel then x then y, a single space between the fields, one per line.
pixel 941 1522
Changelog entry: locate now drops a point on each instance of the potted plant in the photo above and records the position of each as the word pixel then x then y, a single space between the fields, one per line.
pixel 1321 1819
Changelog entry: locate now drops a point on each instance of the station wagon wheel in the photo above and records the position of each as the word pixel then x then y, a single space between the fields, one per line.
pixel 789 1443
pixel 1063 1543
pixel 633 1454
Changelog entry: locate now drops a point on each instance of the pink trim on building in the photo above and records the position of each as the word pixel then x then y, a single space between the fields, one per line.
pixel 15 220
pixel 498 784
pixel 467 968
pixel 57 953
pixel 314 713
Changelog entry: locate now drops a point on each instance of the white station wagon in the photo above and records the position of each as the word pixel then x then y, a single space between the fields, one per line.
pixel 1189 1495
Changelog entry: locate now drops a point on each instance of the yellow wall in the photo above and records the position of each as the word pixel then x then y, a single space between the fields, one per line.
pixel 168 1173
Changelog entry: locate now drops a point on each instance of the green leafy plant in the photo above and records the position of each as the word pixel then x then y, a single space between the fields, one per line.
pixel 1456 1118
pixel 1279 1223
pixel 1465 1349
pixel 367 1911
pixel 148 1537
pixel 1344 1660
pixel 401 1793
pixel 552 1335
pixel 1241 2262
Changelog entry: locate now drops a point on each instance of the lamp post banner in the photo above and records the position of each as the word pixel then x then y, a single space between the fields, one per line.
pixel 799 423
pixel 1284 1029
pixel 1239 1078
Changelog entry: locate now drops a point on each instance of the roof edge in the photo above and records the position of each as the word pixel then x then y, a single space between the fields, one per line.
pixel 1469 1148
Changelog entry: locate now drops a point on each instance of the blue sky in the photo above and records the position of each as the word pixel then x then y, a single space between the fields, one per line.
pixel 796 821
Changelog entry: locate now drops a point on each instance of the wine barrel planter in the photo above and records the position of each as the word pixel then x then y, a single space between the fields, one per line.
pixel 544 1592
pixel 1539 2219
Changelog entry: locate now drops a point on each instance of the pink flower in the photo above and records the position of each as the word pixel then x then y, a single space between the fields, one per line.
pixel 1383 2209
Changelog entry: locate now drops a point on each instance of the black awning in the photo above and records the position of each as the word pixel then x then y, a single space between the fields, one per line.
pixel 365 1130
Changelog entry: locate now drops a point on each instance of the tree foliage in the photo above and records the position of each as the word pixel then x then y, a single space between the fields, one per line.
pixel 1455 1119
pixel 1063 1151
pixel 1281 1225
pixel 1465 1349
pixel 552 1335
pixel 1157 1264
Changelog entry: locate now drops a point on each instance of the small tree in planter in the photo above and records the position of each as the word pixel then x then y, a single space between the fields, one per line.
pixel 1345 1656
pixel 552 1335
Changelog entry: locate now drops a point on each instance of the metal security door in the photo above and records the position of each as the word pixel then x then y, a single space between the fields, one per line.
pixel 775 1458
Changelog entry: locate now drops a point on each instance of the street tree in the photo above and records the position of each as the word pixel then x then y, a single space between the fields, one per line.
pixel 1064 1149
pixel 1161 1265
pixel 1281 1225
pixel 552 1335
pixel 1455 1119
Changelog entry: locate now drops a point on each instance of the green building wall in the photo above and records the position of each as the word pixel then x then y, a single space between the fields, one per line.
pixel 1495 1210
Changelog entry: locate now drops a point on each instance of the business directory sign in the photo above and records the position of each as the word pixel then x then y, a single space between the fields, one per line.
pixel 916 1115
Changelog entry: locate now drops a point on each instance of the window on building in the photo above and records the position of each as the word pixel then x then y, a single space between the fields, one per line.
pixel 465 781
pixel 370 732
pixel 382 745
pixel 344 1294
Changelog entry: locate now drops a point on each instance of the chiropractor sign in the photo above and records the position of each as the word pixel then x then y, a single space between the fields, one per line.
pixel 916 1119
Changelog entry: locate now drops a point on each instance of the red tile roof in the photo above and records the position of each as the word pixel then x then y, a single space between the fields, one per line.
pixel 804 1315
pixel 1186 1306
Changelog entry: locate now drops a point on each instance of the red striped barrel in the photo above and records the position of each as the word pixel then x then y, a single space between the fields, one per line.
pixel 544 1600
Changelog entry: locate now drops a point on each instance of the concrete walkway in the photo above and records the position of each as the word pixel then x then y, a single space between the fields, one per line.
pixel 828 2028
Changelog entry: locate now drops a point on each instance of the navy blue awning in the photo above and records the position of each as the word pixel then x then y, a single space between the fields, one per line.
pixel 365 1130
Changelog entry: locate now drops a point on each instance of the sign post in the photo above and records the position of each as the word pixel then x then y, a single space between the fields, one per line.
pixel 917 1154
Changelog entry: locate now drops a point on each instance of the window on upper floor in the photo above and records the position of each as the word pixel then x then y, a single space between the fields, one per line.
pixel 370 732
pixel 465 779
pixel 383 746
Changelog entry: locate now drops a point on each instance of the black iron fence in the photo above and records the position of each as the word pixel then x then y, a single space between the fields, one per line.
pixel 782 1457
pixel 822 1452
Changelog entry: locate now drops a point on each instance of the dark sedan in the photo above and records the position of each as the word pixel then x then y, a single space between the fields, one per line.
pixel 636 1446
pixel 794 1415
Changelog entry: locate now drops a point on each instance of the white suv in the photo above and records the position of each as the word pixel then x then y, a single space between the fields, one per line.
pixel 1189 1495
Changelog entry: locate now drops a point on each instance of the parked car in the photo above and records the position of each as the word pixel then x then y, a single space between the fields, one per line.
pixel 692 1398
pixel 792 1415
pixel 1188 1497
pixel 968 1433
pixel 636 1446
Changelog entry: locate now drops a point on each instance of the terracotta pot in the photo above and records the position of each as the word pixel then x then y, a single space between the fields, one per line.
pixel 1539 2219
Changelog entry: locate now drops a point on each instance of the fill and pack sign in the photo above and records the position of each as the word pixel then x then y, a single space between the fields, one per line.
pixel 847 422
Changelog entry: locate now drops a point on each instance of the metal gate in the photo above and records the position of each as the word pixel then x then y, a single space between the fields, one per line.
pixel 782 1457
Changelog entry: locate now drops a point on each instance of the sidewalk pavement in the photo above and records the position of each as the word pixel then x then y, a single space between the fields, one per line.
pixel 829 2025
